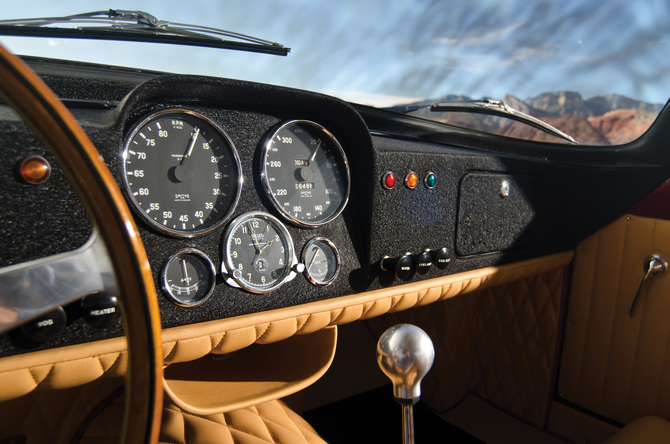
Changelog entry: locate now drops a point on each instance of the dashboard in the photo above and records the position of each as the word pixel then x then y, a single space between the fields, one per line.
pixel 252 197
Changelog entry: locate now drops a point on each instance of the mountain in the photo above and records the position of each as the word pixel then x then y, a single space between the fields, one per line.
pixel 623 125
pixel 567 102
pixel 603 120
pixel 577 126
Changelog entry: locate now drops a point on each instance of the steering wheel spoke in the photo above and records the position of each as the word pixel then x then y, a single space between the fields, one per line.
pixel 31 289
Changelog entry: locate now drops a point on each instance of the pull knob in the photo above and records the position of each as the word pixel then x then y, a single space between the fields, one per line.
pixel 655 265
pixel 402 266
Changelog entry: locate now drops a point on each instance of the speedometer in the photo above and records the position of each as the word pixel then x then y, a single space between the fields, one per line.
pixel 305 173
pixel 181 172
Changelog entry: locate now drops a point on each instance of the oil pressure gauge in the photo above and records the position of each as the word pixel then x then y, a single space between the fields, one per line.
pixel 188 277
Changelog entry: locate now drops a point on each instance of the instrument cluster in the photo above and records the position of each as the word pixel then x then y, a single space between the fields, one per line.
pixel 183 177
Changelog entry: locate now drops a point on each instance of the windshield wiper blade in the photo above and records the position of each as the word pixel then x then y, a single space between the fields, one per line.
pixel 138 26
pixel 500 109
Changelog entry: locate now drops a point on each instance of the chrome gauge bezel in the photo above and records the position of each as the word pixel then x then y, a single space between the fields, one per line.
pixel 210 268
pixel 233 276
pixel 129 193
pixel 303 260
pixel 268 188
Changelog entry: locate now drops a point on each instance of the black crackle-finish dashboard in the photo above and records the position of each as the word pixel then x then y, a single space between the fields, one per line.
pixel 479 200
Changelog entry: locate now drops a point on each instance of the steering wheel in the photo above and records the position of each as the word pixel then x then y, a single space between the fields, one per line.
pixel 100 195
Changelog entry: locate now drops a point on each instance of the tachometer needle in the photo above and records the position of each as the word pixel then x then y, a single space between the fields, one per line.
pixel 180 171
pixel 190 146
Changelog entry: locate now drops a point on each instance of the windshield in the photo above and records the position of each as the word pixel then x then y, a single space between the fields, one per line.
pixel 596 70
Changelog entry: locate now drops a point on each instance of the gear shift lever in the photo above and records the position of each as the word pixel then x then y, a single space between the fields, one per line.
pixel 405 353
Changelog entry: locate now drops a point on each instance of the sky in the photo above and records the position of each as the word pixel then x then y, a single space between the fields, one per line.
pixel 388 52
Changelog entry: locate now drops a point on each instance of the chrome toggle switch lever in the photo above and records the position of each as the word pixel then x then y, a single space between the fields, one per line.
pixel 405 353
pixel 655 265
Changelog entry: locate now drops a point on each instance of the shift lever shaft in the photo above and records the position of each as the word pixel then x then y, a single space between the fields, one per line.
pixel 405 353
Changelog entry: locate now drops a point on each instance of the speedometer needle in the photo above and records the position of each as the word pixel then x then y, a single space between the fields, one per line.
pixel 311 159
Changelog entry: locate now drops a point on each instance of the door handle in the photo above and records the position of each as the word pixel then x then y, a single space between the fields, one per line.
pixel 654 265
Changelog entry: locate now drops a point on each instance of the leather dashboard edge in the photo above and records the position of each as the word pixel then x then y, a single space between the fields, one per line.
pixel 78 364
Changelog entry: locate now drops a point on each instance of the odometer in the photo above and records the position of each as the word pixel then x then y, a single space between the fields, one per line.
pixel 305 173
pixel 181 172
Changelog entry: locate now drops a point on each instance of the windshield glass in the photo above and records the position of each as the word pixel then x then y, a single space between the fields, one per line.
pixel 596 70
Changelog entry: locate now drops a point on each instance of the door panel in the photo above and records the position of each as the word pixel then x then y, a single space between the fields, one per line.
pixel 613 364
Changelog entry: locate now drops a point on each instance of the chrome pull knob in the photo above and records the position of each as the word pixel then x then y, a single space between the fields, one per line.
pixel 405 353
pixel 655 265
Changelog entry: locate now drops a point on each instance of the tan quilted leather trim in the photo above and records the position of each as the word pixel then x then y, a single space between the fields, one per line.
pixel 79 364
pixel 61 368
pixel 272 422
pixel 255 375
pixel 227 335
pixel 613 364
pixel 498 343
pixel 53 416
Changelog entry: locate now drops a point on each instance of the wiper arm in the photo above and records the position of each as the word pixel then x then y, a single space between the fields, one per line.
pixel 138 26
pixel 500 109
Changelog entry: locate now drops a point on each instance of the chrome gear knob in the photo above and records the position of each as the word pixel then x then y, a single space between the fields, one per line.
pixel 405 353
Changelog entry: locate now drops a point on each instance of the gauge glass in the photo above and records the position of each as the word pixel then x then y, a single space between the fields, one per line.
pixel 181 172
pixel 305 173
pixel 258 253
pixel 322 261
pixel 188 277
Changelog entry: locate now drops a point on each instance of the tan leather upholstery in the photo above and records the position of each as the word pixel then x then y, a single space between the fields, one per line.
pixel 75 365
pixel 255 375
pixel 271 422
pixel 647 430
pixel 498 343
pixel 612 364
pixel 53 416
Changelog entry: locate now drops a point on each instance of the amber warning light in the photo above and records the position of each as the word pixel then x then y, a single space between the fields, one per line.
pixel 35 169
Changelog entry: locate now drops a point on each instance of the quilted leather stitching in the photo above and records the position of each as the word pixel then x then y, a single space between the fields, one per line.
pixel 613 364
pixel 25 380
pixel 483 340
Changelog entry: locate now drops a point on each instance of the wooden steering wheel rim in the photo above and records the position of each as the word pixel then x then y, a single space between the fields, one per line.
pixel 100 195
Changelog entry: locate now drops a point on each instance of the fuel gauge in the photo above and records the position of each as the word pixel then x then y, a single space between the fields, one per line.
pixel 188 277
pixel 322 261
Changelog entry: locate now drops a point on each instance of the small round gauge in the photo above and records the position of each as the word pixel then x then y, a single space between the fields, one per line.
pixel 188 277
pixel 305 173
pixel 322 261
pixel 258 253
pixel 181 172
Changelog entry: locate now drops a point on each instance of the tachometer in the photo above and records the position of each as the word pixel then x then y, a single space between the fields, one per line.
pixel 305 173
pixel 181 172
